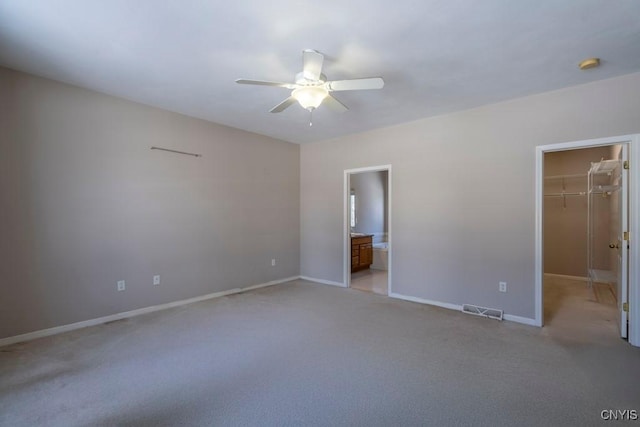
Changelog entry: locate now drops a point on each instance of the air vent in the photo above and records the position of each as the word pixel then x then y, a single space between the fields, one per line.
pixel 491 313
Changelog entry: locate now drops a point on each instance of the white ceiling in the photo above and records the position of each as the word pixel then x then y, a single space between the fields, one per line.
pixel 436 56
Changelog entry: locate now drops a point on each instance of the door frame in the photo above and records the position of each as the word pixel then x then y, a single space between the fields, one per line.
pixel 633 144
pixel 346 231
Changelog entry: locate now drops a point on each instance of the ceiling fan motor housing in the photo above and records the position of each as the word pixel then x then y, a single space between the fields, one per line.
pixel 302 80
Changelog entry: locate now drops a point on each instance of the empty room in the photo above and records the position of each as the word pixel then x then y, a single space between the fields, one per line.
pixel 339 213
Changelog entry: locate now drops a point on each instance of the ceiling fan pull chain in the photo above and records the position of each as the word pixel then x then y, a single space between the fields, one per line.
pixel 311 117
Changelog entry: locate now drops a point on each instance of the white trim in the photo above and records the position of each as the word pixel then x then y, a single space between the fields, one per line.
pixel 457 307
pixel 538 260
pixel 426 301
pixel 346 276
pixel 267 284
pixel 565 276
pixel 634 247
pixel 633 142
pixel 519 319
pixel 126 314
pixel 324 282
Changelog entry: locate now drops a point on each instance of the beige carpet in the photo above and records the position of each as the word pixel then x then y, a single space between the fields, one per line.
pixel 309 354
pixel 576 311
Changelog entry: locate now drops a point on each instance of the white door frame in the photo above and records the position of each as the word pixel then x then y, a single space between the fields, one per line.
pixel 633 142
pixel 346 230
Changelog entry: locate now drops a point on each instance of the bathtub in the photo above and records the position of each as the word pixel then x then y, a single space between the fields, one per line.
pixel 380 256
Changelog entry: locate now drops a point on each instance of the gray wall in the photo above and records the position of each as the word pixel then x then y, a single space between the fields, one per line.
pixel 463 191
pixel 371 202
pixel 84 202
pixel 565 223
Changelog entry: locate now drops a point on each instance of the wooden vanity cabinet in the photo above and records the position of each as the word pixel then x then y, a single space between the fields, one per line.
pixel 361 253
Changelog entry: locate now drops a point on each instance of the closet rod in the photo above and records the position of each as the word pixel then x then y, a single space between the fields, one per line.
pixel 578 193
pixel 176 151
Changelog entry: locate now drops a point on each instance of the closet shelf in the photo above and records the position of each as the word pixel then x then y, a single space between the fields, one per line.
pixel 604 167
pixel 603 178
pixel 577 175
pixel 599 189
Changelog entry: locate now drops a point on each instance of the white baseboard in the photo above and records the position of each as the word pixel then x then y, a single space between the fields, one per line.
pixel 565 276
pixel 520 319
pixel 118 316
pixel 456 307
pixel 271 283
pixel 426 301
pixel 324 282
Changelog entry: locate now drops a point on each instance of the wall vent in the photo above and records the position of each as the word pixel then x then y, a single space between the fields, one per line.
pixel 491 313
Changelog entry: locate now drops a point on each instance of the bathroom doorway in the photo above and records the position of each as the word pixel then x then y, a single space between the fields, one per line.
pixel 367 229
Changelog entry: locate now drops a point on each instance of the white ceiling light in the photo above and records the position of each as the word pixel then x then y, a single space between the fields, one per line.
pixel 310 97
pixel 589 63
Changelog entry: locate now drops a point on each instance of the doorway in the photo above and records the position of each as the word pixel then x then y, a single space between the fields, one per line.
pixel 586 206
pixel 583 273
pixel 367 229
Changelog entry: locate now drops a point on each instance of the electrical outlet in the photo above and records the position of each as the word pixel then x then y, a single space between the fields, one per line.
pixel 156 280
pixel 502 286
pixel 273 262
pixel 121 285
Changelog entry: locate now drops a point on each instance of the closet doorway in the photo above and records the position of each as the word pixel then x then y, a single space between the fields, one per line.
pixel 584 206
pixel 584 275
pixel 367 229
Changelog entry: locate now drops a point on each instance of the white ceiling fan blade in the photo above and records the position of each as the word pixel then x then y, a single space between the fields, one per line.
pixel 283 105
pixel 334 104
pixel 357 84
pixel 312 64
pixel 265 83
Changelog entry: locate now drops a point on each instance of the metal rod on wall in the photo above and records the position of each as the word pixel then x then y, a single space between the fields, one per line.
pixel 579 193
pixel 176 151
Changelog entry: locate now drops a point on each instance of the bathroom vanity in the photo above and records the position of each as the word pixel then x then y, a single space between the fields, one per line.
pixel 361 251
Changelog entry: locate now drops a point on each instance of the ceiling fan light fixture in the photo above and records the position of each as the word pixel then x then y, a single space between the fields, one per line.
pixel 310 97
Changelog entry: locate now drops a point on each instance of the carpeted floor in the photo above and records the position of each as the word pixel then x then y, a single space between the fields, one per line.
pixel 309 354
pixel 584 313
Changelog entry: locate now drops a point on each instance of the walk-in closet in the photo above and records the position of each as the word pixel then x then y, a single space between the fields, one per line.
pixel 584 242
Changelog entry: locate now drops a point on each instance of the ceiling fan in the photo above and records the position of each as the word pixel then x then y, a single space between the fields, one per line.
pixel 311 87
